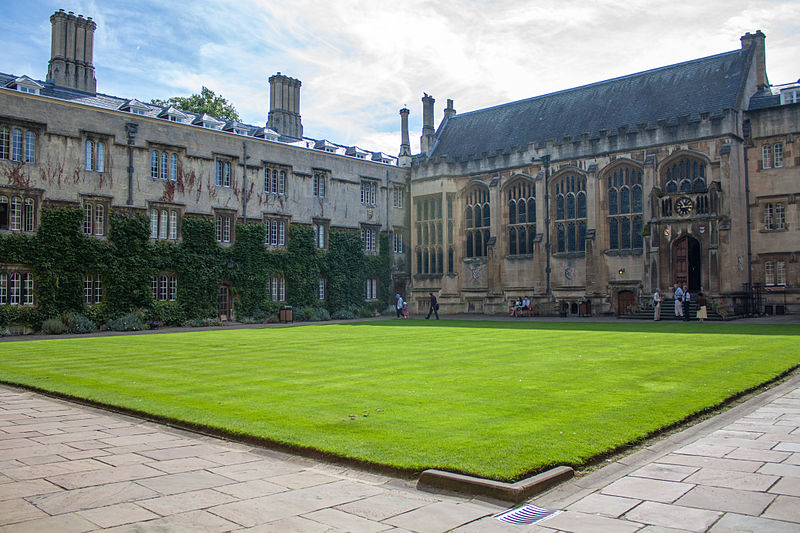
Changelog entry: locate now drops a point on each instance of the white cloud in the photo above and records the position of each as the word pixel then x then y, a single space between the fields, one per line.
pixel 360 61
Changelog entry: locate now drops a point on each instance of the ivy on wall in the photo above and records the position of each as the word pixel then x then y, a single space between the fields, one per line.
pixel 60 257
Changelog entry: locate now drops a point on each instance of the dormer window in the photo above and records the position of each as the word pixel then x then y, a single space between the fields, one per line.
pixel 209 122
pixel 135 107
pixel 24 84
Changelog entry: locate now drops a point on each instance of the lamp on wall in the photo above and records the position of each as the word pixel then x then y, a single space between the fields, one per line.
pixel 621 271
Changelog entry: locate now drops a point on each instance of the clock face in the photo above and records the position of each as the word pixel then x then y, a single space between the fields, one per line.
pixel 683 206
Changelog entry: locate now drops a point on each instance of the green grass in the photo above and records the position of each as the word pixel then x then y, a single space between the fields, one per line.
pixel 496 399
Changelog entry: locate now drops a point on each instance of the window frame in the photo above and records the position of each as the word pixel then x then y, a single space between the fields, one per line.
pixel 165 221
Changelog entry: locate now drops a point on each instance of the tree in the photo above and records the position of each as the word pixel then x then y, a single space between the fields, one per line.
pixel 205 102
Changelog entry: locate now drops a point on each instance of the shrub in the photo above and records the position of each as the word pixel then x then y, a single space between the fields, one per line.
pixel 319 314
pixel 365 312
pixel 79 324
pixel 343 314
pixel 201 322
pixel 299 314
pixel 168 313
pixel 258 317
pixel 53 326
pixel 129 322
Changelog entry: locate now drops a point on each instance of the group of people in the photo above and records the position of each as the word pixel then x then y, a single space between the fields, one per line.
pixel 520 306
pixel 402 306
pixel 683 303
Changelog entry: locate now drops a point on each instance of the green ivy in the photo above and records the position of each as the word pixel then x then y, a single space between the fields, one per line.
pixel 60 257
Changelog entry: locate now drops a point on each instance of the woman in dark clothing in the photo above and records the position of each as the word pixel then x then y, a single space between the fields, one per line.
pixel 434 307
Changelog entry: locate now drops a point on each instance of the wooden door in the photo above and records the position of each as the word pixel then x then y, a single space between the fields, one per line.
pixel 625 300
pixel 680 262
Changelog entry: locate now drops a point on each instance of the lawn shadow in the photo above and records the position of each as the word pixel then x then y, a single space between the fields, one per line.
pixel 694 328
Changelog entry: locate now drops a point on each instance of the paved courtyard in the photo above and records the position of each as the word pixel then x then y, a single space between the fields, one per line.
pixel 66 467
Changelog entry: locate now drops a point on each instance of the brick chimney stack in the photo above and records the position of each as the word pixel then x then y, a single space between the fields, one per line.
pixel 426 140
pixel 71 52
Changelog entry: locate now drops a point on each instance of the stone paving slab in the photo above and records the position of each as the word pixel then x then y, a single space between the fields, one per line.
pixel 66 467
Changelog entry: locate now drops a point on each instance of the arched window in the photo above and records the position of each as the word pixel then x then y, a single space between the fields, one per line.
pixel 429 235
pixel 685 174
pixel 478 221
pixel 521 217
pixel 625 208
pixel 570 193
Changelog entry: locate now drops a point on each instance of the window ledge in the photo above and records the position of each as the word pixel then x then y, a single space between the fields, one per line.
pixel 519 257
pixel 776 230
pixel 627 251
pixel 569 255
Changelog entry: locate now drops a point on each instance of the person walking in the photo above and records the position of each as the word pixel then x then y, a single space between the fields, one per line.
pixel 678 295
pixel 657 305
pixel 434 307
pixel 687 304
pixel 702 309
pixel 399 305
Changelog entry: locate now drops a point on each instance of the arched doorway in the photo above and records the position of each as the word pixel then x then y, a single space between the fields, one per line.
pixel 686 263
pixel 224 303
pixel 625 300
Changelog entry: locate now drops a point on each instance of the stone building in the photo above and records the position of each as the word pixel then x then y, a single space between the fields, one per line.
pixel 64 144
pixel 611 190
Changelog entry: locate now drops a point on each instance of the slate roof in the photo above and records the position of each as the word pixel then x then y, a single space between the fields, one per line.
pixel 105 101
pixel 706 85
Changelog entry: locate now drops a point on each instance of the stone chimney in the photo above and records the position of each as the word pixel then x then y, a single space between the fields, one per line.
pixel 756 40
pixel 284 106
pixel 449 111
pixel 71 52
pixel 426 140
pixel 404 158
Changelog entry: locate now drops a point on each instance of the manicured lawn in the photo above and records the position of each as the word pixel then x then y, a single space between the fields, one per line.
pixel 496 399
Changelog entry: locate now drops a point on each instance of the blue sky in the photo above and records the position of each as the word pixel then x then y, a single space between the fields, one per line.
pixel 360 61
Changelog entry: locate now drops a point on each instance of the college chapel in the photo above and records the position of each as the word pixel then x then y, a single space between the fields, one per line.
pixel 600 194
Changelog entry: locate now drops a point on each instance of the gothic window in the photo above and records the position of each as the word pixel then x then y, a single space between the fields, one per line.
pixel 625 222
pixel 521 199
pixel 570 194
pixel 94 216
pixel 275 232
pixel 164 222
pixel 16 287
pixel 478 221
pixel 17 210
pixel 319 184
pixel 686 174
pixel 321 234
pixel 428 248
pixel 275 181
pixel 17 144
pixel 223 173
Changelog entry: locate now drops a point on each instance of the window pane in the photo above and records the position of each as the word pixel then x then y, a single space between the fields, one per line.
pixel 173 225
pixel 154 164
pixel 560 207
pixel 101 157
pixel 162 230
pixel 153 224
pixel 570 206
pixel 613 234
pixel 99 219
pixel 16 145
pixel 173 167
pixel 625 233
pixel 88 155
pixel 29 216
pixel 625 200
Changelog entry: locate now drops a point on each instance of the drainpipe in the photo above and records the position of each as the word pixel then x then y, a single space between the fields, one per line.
pixel 749 224
pixel 244 181
pixel 545 160
pixel 130 133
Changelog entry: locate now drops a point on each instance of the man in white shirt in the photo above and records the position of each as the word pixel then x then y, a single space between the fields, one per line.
pixel 678 301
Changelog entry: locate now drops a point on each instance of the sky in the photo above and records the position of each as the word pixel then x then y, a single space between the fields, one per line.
pixel 361 61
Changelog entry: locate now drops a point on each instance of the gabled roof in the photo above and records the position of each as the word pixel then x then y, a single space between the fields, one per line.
pixel 708 85
pixel 134 104
pixel 24 81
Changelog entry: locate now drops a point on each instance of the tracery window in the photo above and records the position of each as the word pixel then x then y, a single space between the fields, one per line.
pixel 686 174
pixel 521 217
pixel 625 222
pixel 570 219
pixel 430 238
pixel 478 220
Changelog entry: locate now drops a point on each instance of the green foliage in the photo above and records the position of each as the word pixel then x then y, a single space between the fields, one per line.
pixel 53 326
pixel 343 314
pixel 60 257
pixel 205 102
pixel 169 313
pixel 129 322
pixel 77 323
